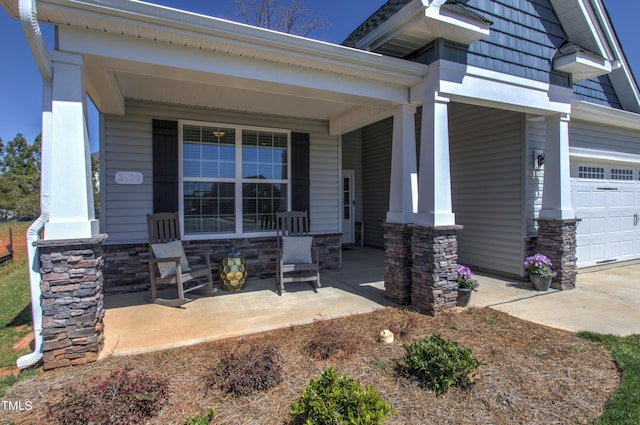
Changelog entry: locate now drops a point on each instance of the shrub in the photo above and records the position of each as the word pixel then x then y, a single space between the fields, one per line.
pixel 125 397
pixel 439 363
pixel 334 399
pixel 329 340
pixel 242 372
pixel 200 419
pixel 404 328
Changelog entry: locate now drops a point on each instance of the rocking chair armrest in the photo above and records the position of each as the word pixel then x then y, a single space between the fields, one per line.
pixel 163 260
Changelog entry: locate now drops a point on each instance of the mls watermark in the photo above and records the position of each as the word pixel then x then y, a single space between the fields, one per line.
pixel 16 405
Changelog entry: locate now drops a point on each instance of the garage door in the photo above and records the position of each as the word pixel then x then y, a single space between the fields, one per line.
pixel 607 200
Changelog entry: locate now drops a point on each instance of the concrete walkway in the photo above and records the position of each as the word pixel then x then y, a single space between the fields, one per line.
pixel 606 301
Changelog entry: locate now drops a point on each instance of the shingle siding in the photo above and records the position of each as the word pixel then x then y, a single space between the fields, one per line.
pixel 597 90
pixel 523 38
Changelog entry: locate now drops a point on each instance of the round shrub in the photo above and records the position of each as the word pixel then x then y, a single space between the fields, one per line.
pixel 439 363
pixel 336 400
pixel 125 397
pixel 241 372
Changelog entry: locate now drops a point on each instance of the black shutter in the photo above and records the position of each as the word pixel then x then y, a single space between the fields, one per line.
pixel 300 194
pixel 165 166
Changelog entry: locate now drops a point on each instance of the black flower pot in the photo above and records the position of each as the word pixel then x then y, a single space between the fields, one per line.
pixel 464 297
pixel 539 282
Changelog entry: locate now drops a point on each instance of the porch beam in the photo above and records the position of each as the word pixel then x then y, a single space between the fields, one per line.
pixel 142 56
pixel 556 195
pixel 403 165
pixel 72 214
pixel 434 177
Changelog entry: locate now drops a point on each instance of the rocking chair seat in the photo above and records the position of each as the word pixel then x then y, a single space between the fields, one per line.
pixel 169 264
pixel 296 259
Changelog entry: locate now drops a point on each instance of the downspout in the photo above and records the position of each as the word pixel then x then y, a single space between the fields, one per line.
pixel 31 28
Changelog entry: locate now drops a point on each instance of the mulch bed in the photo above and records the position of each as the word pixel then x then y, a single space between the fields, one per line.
pixel 529 374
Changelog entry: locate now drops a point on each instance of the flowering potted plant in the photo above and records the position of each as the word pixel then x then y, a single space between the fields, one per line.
pixel 540 271
pixel 466 284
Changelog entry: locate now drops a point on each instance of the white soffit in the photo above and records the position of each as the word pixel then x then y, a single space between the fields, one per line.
pixel 417 24
pixel 176 27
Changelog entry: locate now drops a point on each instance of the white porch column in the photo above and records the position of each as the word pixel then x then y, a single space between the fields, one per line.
pixel 403 165
pixel 434 179
pixel 556 196
pixel 72 214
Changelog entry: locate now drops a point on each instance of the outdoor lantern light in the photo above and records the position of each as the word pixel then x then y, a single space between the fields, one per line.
pixel 538 158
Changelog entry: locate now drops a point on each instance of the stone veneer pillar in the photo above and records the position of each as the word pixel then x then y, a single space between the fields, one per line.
pixel 72 301
pixel 434 253
pixel 397 267
pixel 557 240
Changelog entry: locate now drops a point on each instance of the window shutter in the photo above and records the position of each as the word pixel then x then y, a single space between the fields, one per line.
pixel 165 166
pixel 300 194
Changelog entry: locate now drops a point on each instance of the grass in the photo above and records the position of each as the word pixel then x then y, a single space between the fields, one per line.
pixel 15 303
pixel 623 407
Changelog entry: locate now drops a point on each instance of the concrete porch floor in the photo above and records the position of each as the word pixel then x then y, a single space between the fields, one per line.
pixel 133 325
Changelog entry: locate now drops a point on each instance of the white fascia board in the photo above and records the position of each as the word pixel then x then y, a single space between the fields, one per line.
pixel 165 19
pixel 594 20
pixel 493 89
pixel 132 50
pixel 631 97
pixel 590 112
pixel 587 153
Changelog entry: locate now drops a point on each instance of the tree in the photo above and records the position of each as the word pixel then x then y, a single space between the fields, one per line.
pixel 20 179
pixel 292 19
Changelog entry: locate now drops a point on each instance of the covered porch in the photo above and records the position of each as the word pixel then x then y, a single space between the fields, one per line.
pixel 133 325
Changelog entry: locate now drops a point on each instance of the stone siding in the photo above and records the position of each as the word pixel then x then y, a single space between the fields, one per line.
pixel 397 267
pixel 434 253
pixel 72 301
pixel 126 270
pixel 557 240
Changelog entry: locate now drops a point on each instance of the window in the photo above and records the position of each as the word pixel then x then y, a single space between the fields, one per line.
pixel 621 174
pixel 234 179
pixel 587 172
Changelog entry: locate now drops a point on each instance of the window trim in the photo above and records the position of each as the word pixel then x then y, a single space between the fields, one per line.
pixel 238 180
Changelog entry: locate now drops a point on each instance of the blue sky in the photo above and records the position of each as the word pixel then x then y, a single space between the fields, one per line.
pixel 21 86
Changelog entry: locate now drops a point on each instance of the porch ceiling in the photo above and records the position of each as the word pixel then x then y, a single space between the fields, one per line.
pixel 109 82
pixel 142 51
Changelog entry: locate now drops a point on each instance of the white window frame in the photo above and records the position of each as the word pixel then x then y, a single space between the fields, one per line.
pixel 238 180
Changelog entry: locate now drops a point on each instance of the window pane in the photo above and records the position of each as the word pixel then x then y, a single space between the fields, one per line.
pixel 209 208
pixel 586 172
pixel 260 202
pixel 208 152
pixel 621 174
pixel 264 155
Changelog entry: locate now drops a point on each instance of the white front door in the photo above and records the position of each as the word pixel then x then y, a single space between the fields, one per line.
pixel 348 206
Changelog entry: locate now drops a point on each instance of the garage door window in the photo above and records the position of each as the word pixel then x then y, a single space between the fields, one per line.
pixel 587 172
pixel 621 174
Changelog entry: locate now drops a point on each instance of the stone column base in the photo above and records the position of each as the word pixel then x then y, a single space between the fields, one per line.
pixel 72 301
pixel 434 253
pixel 557 240
pixel 397 267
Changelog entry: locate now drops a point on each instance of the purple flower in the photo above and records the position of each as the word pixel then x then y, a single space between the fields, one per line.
pixel 539 264
pixel 465 278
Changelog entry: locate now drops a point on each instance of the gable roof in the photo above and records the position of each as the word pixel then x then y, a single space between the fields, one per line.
pixel 589 46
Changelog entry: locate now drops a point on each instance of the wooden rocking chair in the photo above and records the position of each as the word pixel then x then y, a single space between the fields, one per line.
pixel 169 264
pixel 296 259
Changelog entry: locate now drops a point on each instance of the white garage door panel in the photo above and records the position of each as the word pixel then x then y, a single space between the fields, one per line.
pixel 609 229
